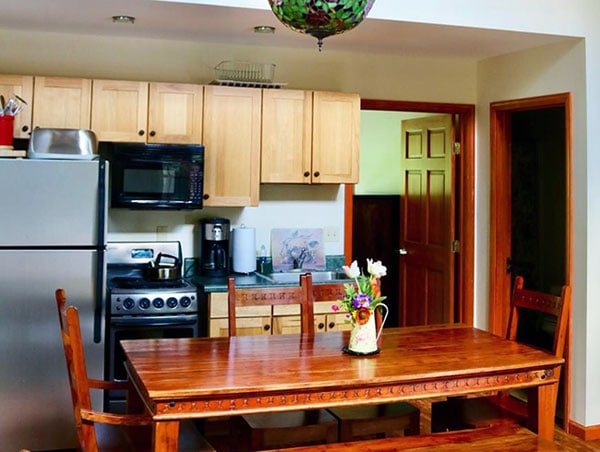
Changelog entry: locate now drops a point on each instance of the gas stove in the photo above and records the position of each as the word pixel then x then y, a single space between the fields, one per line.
pixel 132 293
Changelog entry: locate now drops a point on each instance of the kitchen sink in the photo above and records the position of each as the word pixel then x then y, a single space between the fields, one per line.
pixel 294 276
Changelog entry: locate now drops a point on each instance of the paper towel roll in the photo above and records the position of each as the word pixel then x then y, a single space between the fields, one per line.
pixel 244 250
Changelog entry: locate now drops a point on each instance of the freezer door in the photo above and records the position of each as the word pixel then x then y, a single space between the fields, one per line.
pixel 49 203
pixel 36 410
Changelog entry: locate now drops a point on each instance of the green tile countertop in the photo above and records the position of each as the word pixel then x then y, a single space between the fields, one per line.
pixel 219 284
pixel 250 281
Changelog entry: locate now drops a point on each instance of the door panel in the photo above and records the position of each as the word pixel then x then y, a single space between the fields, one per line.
pixel 427 222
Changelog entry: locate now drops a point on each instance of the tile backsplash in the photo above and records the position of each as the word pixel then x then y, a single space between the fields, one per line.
pixel 297 249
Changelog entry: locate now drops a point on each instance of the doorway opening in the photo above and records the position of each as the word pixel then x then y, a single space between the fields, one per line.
pixel 463 205
pixel 530 227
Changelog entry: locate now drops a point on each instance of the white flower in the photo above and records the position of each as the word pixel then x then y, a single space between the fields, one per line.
pixel 353 271
pixel 376 269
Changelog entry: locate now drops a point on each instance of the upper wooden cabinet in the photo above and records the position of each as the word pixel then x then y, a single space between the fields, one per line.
pixel 310 137
pixel 175 113
pixel 62 102
pixel 120 110
pixel 286 136
pixel 22 86
pixel 336 135
pixel 232 118
pixel 147 112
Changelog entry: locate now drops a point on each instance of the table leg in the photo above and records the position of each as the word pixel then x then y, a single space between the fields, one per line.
pixel 166 436
pixel 541 405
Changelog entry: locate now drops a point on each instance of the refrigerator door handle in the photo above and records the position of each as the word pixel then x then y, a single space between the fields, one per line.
pixel 101 246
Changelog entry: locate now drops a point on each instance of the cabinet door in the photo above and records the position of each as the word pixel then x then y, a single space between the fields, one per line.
pixel 337 322
pixel 232 146
pixel 289 324
pixel 286 136
pixel 336 134
pixel 22 86
pixel 320 323
pixel 175 113
pixel 119 110
pixel 62 102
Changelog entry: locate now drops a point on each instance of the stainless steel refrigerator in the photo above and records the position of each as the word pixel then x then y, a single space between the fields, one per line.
pixel 52 234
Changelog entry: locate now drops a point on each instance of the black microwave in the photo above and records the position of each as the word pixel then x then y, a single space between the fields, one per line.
pixel 155 176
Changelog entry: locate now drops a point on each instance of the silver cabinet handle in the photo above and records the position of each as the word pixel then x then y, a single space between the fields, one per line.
pixel 402 251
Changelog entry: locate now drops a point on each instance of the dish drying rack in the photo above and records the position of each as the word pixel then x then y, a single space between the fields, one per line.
pixel 245 74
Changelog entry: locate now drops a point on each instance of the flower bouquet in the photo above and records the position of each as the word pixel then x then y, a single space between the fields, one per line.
pixel 361 299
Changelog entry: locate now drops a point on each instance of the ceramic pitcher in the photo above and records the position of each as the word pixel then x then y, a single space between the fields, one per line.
pixel 363 338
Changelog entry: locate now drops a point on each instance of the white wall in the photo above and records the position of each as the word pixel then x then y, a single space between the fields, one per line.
pixel 547 70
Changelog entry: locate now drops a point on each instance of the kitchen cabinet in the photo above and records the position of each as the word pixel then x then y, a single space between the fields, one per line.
pixel 251 320
pixel 336 135
pixel 175 113
pixel 22 86
pixel 142 112
pixel 286 136
pixel 119 110
pixel 328 320
pixel 62 102
pixel 231 137
pixel 310 137
pixel 259 320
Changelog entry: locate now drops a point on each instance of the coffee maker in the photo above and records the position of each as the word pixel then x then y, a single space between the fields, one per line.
pixel 215 247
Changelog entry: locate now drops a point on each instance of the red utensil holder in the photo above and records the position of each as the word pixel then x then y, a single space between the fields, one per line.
pixel 6 131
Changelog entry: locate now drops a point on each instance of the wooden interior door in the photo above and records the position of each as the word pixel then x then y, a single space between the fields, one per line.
pixel 427 222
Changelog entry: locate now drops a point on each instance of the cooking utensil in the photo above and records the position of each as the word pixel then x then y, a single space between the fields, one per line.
pixel 160 270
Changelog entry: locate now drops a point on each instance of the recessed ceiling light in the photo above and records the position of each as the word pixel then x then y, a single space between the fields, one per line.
pixel 123 19
pixel 264 29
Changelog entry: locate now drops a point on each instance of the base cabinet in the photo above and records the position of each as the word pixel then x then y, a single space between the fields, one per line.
pixel 261 320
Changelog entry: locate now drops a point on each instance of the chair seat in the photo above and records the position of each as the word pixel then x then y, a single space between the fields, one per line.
pixel 288 429
pixel 377 421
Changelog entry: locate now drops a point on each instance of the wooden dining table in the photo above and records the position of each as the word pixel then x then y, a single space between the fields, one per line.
pixel 179 379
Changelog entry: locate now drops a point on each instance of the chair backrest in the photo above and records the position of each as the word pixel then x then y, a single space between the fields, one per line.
pixel 328 292
pixel 273 296
pixel 556 306
pixel 75 358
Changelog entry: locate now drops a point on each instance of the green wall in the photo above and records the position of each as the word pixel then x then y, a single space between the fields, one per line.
pixel 380 144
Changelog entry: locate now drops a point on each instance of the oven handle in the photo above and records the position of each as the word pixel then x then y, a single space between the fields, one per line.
pixel 156 320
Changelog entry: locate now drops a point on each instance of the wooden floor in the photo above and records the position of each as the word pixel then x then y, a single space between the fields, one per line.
pixel 219 439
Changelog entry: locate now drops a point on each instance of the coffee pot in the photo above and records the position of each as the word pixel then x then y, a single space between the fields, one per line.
pixel 215 247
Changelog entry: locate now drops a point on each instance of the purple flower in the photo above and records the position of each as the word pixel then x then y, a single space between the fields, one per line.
pixel 361 301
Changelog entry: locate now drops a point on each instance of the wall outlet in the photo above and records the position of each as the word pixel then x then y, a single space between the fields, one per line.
pixel 331 234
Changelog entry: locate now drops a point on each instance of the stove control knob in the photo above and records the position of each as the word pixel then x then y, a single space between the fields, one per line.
pixel 172 302
pixel 158 303
pixel 185 302
pixel 144 303
pixel 128 303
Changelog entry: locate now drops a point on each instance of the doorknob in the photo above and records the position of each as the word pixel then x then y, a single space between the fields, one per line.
pixel 402 251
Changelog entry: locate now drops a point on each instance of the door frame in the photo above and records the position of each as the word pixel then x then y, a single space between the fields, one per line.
pixel 500 207
pixel 464 199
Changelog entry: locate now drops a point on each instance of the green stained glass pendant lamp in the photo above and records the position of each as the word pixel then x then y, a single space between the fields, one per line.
pixel 321 18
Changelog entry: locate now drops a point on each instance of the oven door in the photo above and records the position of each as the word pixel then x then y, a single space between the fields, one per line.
pixel 148 327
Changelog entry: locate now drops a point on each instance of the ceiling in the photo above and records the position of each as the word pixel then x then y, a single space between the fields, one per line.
pixel 173 20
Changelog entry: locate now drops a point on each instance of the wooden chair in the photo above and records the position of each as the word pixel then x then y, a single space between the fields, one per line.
pixel 98 430
pixel 286 429
pixel 376 421
pixel 512 404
